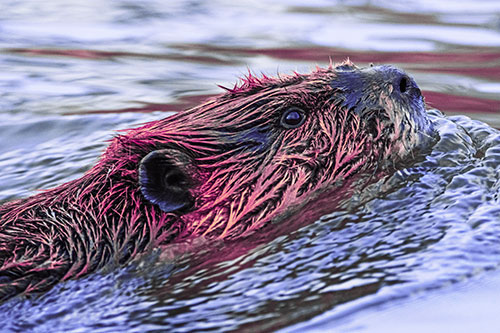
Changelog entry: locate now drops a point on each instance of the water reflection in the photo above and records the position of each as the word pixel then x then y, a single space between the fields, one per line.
pixel 72 73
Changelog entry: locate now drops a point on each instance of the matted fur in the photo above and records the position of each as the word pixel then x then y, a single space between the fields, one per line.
pixel 247 169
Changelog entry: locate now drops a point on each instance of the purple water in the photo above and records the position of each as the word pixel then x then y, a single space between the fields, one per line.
pixel 418 251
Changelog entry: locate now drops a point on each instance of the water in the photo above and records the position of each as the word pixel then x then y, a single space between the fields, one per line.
pixel 418 250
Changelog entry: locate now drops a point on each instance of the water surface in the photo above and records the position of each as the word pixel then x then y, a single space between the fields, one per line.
pixel 418 250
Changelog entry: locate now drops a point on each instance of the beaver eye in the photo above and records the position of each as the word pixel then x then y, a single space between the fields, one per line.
pixel 292 118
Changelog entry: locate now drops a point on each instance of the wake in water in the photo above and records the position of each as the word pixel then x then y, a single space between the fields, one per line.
pixel 433 223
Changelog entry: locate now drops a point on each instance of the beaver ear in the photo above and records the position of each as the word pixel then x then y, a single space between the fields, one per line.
pixel 164 179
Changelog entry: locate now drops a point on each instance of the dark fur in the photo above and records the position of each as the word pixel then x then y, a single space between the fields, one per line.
pixel 220 170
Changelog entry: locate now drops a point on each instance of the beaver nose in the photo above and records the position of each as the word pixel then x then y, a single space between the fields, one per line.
pixel 403 84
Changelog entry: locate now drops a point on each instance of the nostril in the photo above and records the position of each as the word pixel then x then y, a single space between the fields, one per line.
pixel 403 84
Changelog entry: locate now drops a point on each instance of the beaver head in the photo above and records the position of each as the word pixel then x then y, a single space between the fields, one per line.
pixel 239 161
pixel 220 170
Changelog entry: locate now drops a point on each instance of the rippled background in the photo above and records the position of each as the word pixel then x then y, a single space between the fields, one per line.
pixel 418 251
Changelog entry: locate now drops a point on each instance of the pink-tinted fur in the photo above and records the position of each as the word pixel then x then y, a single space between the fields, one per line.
pixel 103 217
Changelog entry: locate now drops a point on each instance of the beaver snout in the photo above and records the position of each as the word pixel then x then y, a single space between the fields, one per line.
pixel 380 87
pixel 388 101
pixel 393 79
pixel 403 84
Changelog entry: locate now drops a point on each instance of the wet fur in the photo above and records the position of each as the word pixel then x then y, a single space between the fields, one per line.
pixel 244 168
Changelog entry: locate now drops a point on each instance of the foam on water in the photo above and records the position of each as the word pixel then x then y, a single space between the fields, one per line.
pixel 425 231
pixel 428 226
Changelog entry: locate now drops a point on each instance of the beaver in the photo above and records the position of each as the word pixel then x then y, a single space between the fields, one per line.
pixel 221 170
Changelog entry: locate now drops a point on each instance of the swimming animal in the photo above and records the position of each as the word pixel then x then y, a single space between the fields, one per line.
pixel 222 170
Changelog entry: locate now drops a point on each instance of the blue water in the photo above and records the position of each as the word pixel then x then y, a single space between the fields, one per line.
pixel 416 251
